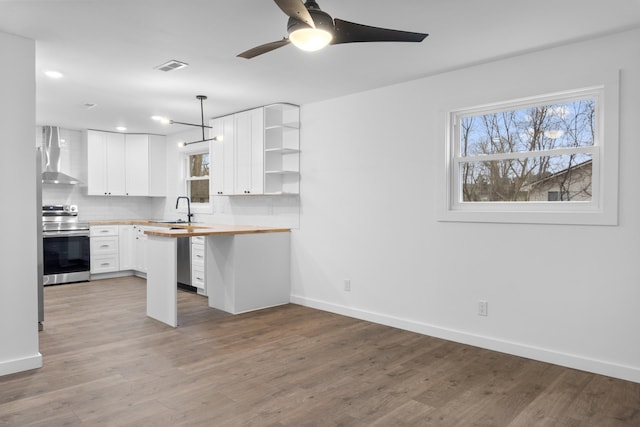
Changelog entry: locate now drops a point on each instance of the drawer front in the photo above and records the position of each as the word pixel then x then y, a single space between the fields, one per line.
pixel 104 245
pixel 104 264
pixel 197 255
pixel 103 230
pixel 197 277
pixel 197 240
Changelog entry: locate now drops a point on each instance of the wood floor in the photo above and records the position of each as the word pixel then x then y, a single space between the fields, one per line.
pixel 106 363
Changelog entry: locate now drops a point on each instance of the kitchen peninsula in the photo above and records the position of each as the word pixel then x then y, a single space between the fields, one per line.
pixel 246 268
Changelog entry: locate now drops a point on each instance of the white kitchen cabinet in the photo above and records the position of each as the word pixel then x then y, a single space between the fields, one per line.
pixel 103 230
pixel 145 165
pixel 140 249
pixel 223 154
pixel 281 149
pixel 140 246
pixel 125 165
pixel 249 151
pixel 198 254
pixel 105 163
pixel 259 153
pixel 104 249
pixel 126 246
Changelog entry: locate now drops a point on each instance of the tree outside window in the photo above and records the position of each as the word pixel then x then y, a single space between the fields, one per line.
pixel 518 154
pixel 197 180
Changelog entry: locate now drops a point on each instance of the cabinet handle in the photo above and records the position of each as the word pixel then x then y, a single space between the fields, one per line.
pixel 104 246
pixel 199 278
pixel 198 256
pixel 104 264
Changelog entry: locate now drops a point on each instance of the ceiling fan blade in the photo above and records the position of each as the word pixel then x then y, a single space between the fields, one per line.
pixel 295 9
pixel 350 32
pixel 263 48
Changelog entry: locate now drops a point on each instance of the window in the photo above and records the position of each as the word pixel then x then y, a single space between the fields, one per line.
pixel 197 177
pixel 532 160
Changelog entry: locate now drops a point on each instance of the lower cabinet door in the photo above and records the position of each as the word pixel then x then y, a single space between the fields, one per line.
pixel 197 277
pixel 104 264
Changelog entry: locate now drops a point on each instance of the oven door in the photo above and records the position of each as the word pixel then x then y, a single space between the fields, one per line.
pixel 66 257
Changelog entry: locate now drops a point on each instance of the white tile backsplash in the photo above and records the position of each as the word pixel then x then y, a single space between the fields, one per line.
pixel 91 208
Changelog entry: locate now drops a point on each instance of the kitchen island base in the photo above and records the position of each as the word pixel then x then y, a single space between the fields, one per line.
pixel 247 272
pixel 246 269
pixel 162 279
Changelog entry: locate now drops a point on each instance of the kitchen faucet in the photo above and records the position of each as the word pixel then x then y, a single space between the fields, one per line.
pixel 189 214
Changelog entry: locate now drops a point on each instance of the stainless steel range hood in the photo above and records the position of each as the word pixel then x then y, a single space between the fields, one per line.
pixel 51 158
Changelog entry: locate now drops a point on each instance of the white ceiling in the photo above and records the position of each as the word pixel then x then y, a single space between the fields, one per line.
pixel 107 50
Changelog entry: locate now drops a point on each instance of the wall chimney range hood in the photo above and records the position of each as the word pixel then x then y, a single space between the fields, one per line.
pixel 51 158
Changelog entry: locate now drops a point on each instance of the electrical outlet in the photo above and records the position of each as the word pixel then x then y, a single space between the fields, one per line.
pixel 483 308
pixel 347 285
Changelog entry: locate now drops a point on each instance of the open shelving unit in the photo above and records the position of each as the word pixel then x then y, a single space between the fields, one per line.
pixel 282 149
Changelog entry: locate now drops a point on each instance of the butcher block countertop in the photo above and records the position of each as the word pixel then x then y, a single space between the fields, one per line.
pixel 194 229
pixel 212 230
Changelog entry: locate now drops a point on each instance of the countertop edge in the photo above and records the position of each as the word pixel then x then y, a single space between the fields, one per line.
pixel 190 230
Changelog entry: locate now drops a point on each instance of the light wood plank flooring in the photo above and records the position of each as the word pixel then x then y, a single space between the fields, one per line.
pixel 106 363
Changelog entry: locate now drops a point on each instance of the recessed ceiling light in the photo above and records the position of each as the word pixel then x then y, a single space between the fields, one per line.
pixel 121 128
pixel 161 119
pixel 53 74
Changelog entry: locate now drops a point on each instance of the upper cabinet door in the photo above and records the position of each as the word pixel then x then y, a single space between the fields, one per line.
pixel 137 165
pixel 249 132
pixel 96 163
pixel 116 183
pixel 105 159
pixel 223 156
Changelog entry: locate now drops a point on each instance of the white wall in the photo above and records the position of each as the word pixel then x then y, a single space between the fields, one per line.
pixel 564 294
pixel 18 258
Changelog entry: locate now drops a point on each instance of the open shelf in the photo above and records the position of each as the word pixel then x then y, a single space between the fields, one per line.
pixel 281 149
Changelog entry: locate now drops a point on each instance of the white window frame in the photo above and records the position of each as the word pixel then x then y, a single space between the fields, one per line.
pixel 185 152
pixel 601 210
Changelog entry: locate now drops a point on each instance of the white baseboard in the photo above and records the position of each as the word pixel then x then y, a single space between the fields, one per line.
pixel 582 363
pixel 18 365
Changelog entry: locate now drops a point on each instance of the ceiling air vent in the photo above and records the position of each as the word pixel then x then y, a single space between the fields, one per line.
pixel 171 65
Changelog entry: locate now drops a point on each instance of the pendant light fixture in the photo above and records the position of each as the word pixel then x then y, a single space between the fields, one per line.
pixel 202 126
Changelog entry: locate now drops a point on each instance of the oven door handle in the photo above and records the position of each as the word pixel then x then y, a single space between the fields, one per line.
pixel 78 233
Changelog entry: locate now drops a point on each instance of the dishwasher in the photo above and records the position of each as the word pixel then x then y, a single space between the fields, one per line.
pixel 184 261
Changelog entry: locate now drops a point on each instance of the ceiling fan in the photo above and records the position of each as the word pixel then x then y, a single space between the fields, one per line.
pixel 311 29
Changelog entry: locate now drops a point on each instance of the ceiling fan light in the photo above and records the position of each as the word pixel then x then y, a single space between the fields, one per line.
pixel 310 39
